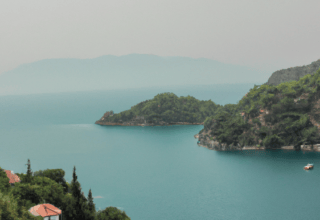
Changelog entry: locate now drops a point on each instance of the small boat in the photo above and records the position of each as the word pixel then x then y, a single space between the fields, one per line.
pixel 309 166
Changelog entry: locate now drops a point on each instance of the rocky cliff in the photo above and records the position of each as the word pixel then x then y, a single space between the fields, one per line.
pixel 293 73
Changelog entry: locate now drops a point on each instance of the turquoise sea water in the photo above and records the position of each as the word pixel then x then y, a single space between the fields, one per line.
pixel 154 173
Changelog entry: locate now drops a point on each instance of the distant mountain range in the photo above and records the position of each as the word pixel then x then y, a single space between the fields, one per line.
pixel 293 73
pixel 122 72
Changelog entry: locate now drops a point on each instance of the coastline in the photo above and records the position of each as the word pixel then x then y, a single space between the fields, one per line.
pixel 144 124
pixel 214 145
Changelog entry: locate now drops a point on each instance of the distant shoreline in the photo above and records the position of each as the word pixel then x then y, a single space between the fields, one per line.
pixel 142 125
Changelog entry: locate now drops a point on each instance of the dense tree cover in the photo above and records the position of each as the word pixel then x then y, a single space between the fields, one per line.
pixel 55 174
pixel 169 108
pixel 9 207
pixel 112 213
pixel 4 181
pixel 49 186
pixel 271 116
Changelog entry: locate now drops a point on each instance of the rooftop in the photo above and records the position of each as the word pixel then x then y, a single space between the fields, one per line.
pixel 44 210
pixel 13 178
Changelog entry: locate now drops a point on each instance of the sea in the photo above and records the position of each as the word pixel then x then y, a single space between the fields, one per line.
pixel 155 173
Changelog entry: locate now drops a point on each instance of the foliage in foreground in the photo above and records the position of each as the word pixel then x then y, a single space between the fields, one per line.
pixel 112 213
pixel 49 186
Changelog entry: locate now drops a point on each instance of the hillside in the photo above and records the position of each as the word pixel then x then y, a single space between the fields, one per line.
pixel 122 72
pixel 49 187
pixel 163 109
pixel 269 116
pixel 293 73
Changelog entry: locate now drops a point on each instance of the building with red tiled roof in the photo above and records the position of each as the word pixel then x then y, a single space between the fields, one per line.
pixel 13 178
pixel 47 211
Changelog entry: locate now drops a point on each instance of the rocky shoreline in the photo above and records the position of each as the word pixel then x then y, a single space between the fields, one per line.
pixel 215 145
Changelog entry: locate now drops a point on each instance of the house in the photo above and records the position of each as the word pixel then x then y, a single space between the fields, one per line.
pixel 13 178
pixel 47 211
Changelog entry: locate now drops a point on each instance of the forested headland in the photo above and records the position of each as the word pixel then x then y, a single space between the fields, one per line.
pixel 49 186
pixel 163 109
pixel 269 116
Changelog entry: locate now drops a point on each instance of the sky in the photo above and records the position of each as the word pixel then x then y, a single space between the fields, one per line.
pixel 266 35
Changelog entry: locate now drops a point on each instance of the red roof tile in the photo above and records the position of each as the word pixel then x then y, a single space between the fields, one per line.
pixel 44 210
pixel 13 178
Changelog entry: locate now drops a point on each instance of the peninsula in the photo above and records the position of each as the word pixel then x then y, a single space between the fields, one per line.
pixel 163 109
pixel 283 116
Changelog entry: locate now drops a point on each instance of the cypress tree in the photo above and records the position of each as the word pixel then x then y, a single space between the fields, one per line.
pixel 91 206
pixel 75 185
pixel 29 173
pixel 79 201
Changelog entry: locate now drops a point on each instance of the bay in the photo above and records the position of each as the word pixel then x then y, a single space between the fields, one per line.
pixel 153 172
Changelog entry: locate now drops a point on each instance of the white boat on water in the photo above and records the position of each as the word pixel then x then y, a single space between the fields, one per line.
pixel 309 166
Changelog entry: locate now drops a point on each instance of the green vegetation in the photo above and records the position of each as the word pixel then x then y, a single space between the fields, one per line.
pixel 168 108
pixel 271 116
pixel 112 213
pixel 49 186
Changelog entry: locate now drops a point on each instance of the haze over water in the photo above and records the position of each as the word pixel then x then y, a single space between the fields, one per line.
pixel 154 172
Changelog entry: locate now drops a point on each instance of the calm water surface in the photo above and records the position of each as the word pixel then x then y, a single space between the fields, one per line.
pixel 156 173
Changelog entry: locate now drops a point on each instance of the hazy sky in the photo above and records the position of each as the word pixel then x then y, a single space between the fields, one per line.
pixel 266 34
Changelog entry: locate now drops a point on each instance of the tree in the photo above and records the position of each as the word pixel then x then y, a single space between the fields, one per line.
pixel 272 141
pixel 55 174
pixel 4 181
pixel 112 213
pixel 28 177
pixel 10 210
pixel 75 185
pixel 49 191
pixel 26 194
pixel 79 201
pixel 91 211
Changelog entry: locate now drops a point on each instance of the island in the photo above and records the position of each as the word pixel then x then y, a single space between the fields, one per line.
pixel 164 109
pixel 283 116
